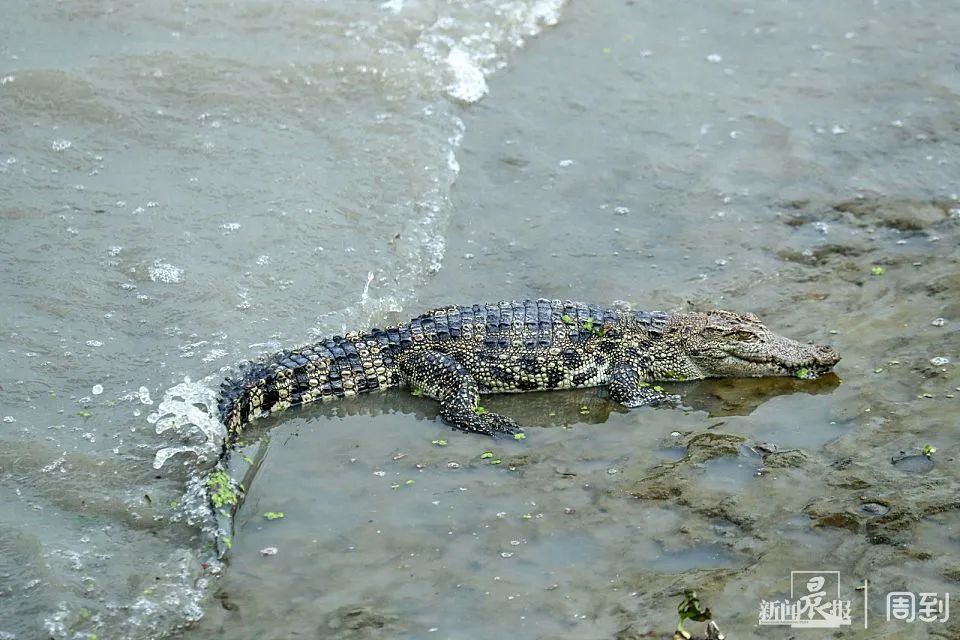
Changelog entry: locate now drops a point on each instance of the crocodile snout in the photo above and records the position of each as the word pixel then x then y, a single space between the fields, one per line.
pixel 825 356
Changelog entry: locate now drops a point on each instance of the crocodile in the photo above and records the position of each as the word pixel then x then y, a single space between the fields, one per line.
pixel 455 354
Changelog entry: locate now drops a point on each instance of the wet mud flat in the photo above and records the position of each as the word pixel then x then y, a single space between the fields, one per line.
pixel 185 189
pixel 396 527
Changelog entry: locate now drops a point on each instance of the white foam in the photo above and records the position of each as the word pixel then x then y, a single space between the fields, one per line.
pixel 163 272
pixel 396 6
pixel 470 44
pixel 469 83
pixel 190 409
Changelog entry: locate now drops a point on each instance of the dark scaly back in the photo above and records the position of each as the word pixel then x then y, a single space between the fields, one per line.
pixel 521 323
pixel 358 363
pixel 653 323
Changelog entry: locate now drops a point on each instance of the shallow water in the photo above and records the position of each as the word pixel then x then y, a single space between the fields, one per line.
pixel 156 163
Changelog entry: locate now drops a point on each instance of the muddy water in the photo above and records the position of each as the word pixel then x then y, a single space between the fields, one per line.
pixel 797 161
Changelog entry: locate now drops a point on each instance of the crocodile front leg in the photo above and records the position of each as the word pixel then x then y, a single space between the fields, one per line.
pixel 628 387
pixel 439 376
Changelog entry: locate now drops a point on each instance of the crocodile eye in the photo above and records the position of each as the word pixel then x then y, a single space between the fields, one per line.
pixel 745 336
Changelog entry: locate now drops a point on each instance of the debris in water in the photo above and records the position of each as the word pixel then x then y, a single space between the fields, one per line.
pixel 875 508
pixel 689 609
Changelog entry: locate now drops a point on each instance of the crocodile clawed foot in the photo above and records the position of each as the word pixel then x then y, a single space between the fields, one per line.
pixel 501 425
pixel 668 400
pixel 648 397
pixel 665 400
pixel 494 424
pixel 488 424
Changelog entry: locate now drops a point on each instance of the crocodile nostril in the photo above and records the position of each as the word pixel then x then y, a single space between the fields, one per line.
pixel 826 354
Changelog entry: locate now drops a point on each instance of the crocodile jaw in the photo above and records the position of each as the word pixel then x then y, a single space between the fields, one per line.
pixel 784 357
pixel 727 344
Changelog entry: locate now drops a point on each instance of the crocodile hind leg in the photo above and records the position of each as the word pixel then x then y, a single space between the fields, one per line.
pixel 628 387
pixel 440 376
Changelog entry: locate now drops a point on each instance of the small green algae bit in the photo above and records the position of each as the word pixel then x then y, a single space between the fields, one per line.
pixel 221 490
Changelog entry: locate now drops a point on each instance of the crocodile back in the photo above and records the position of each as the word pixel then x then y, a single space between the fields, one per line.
pixel 512 324
pixel 508 346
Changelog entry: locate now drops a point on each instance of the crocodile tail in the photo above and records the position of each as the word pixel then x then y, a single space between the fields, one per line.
pixel 234 405
pixel 328 370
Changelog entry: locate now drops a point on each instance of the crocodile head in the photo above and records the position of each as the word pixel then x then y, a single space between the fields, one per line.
pixel 728 344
